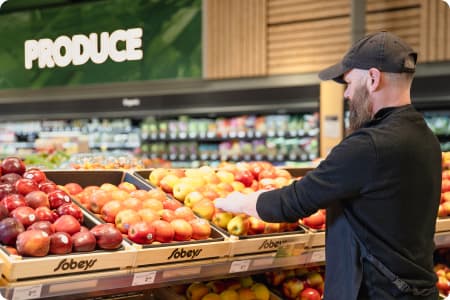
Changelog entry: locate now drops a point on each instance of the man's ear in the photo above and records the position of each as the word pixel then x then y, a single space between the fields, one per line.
pixel 374 79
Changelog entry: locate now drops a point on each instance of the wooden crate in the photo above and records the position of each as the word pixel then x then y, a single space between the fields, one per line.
pixel 268 243
pixel 190 251
pixel 443 224
pixel 16 267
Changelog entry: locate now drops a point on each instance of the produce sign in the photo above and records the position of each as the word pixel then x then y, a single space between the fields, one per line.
pixel 97 42
pixel 39 219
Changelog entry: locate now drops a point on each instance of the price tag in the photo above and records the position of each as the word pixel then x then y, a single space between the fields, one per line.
pixel 239 266
pixel 144 278
pixel 442 240
pixel 263 262
pixel 27 292
pixel 318 256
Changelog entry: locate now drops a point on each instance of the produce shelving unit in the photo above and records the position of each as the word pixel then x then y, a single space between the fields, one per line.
pixel 146 278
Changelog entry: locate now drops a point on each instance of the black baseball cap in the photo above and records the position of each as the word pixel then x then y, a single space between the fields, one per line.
pixel 382 50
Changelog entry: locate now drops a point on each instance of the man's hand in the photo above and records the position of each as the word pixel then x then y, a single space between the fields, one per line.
pixel 237 203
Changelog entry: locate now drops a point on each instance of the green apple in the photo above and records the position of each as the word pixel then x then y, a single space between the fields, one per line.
pixel 238 225
pixel 222 218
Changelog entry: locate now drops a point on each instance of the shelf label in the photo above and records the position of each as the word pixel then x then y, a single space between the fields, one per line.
pixel 27 292
pixel 182 272
pixel 290 249
pixel 442 239
pixel 144 278
pixel 239 266
pixel 263 262
pixel 318 256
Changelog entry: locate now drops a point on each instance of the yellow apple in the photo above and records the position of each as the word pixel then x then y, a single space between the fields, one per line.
pixel 196 291
pixel 192 197
pixel 229 294
pixel 222 218
pixel 204 208
pixel 261 291
pixel 181 189
pixel 225 176
pixel 156 175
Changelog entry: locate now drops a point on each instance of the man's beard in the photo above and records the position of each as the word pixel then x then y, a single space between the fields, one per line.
pixel 360 108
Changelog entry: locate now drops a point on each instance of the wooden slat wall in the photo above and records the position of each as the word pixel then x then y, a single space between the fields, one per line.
pixel 234 38
pixel 434 31
pixel 308 35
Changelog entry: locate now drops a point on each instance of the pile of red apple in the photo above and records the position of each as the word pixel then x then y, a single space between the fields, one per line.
pixel 300 283
pixel 442 270
pixel 198 188
pixel 38 218
pixel 145 217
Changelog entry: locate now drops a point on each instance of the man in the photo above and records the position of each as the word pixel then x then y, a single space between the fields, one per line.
pixel 381 185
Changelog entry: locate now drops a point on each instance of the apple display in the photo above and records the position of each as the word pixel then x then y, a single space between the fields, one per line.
pixel 33 243
pixel 60 243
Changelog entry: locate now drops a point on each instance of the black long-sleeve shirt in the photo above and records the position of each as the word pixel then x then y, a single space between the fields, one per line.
pixel 382 183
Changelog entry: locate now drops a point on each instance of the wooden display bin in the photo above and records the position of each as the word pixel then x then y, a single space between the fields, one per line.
pixel 16 267
pixel 443 224
pixel 155 254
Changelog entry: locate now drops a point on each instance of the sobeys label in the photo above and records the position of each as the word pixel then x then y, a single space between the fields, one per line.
pixel 271 244
pixel 72 264
pixel 182 253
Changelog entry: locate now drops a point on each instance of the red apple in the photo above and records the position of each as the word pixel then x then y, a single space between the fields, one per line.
pixel 10 178
pixel 36 175
pixel 68 224
pixel 48 186
pixel 182 229
pixel 171 204
pixel 44 213
pixel 110 210
pixel 58 198
pixel 24 186
pixel 244 176
pixel 83 241
pixel 142 233
pixel 310 294
pixel 12 165
pixel 13 201
pixel 60 243
pixel 201 229
pixel 6 189
pixel 71 209
pixel 256 226
pixel 167 215
pixel 4 213
pixel 148 215
pixel 9 230
pixel 44 226
pixel 108 237
pixel 36 199
pixel 25 215
pixel 33 243
pixel 164 232
pixel 99 198
pixel 316 220
pixel 125 218
pixel 73 188
pixel 185 213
